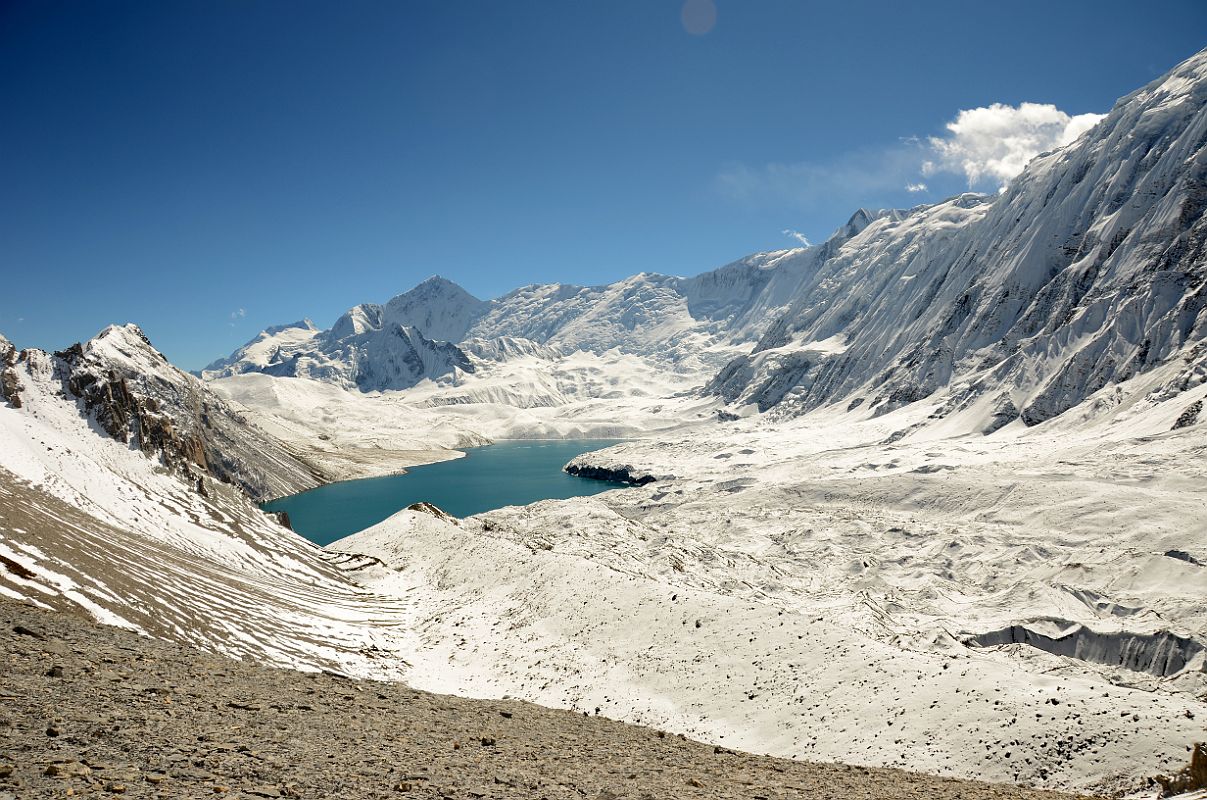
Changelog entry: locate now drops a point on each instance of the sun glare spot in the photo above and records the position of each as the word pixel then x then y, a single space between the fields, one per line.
pixel 699 16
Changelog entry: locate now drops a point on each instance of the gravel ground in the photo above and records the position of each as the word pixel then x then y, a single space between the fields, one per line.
pixel 94 710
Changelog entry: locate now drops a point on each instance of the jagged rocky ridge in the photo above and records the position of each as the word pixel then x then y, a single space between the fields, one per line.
pixel 136 397
pixel 10 383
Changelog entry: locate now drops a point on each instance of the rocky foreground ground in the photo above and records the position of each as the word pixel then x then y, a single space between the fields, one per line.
pixel 87 709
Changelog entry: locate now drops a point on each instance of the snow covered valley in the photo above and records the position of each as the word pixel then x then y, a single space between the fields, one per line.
pixel 1027 606
pixel 932 494
pixel 802 588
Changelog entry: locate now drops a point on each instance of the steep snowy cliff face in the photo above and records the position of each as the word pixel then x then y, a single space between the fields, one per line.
pixel 129 392
pixel 1089 269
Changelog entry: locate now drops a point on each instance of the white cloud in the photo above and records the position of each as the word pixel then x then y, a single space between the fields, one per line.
pixel 986 146
pixel 798 236
pixel 994 143
pixel 239 313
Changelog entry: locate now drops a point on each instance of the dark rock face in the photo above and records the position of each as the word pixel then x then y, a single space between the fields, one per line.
pixel 10 388
pixel 129 417
pixel 10 384
pixel 1004 412
pixel 619 474
pixel 1188 417
pixel 1182 555
pixel 135 396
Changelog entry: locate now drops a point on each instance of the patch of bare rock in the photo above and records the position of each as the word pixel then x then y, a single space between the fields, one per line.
pixel 90 710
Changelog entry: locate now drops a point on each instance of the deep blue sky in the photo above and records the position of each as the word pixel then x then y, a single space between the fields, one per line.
pixel 171 163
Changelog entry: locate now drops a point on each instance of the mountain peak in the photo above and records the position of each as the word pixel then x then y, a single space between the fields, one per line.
pixel 434 286
pixel 128 335
pixel 438 281
pixel 861 219
pixel 305 324
pixel 438 308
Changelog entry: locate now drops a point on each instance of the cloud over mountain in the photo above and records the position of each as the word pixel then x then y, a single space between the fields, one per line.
pixel 993 143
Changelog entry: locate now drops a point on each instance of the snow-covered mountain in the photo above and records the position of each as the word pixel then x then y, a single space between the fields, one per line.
pixel 1088 269
pixel 859 559
pixel 438 308
pixel 126 492
pixel 129 391
pixel 690 324
pixel 363 350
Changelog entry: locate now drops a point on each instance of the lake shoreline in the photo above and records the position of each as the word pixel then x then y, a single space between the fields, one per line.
pixel 533 467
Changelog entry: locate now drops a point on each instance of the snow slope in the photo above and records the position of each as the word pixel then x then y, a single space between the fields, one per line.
pixel 134 395
pixel 93 522
pixel 1088 269
pixel 1027 607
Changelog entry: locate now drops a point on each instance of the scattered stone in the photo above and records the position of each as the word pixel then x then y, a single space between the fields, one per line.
pixel 352 739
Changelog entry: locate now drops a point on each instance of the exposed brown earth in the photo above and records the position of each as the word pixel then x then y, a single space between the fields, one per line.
pixel 96 710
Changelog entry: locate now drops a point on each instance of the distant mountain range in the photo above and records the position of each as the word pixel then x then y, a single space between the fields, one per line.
pixel 1090 268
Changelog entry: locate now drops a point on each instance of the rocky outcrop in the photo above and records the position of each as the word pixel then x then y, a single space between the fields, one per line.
pixel 1188 417
pixel 10 384
pixel 136 397
pixel 425 507
pixel 1192 777
pixel 1004 412
pixel 616 474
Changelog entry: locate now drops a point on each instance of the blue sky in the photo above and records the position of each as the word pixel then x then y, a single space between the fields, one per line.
pixel 209 168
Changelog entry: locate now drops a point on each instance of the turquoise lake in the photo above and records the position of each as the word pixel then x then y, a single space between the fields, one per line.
pixel 509 473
